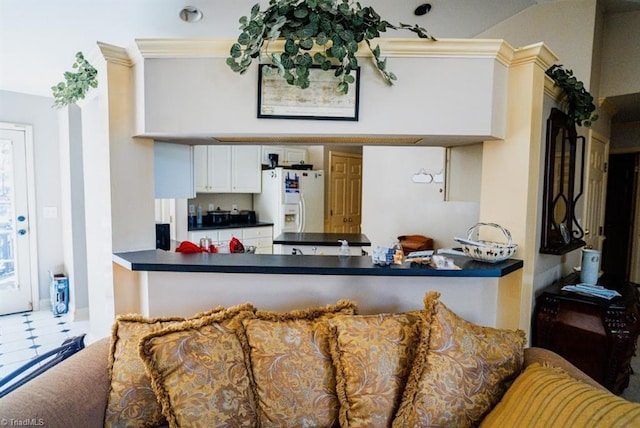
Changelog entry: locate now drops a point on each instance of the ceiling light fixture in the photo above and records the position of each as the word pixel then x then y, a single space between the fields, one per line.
pixel 423 9
pixel 190 14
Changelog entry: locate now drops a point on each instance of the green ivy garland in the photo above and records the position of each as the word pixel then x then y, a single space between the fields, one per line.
pixel 77 84
pixel 578 102
pixel 337 26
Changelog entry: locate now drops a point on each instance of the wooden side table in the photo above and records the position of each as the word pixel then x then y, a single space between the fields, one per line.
pixel 597 335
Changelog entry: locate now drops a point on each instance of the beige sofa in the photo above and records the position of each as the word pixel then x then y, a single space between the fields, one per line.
pixel 75 393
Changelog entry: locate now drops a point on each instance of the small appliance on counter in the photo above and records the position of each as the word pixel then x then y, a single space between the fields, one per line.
pixel 163 236
pixel 248 217
pixel 218 217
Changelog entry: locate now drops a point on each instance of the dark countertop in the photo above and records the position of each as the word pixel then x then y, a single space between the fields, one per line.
pixel 168 261
pixel 229 226
pixel 330 239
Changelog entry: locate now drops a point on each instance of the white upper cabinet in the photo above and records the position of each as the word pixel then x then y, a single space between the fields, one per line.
pixel 246 169
pixel 173 171
pixel 294 156
pixel 228 169
pixel 220 169
pixel 287 156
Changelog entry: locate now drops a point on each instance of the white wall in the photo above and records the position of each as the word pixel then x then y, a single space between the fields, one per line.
pixel 191 97
pixel 621 54
pixel 36 111
pixel 625 136
pixel 72 211
pixel 393 205
pixel 565 26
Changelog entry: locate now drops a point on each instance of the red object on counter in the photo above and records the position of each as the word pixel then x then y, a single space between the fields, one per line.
pixel 189 247
pixel 235 246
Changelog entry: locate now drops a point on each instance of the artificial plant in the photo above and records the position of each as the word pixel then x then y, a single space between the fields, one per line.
pixel 336 27
pixel 76 85
pixel 577 100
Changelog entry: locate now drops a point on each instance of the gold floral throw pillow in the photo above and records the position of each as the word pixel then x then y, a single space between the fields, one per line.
pixel 131 401
pixel 292 368
pixel 372 355
pixel 200 370
pixel 460 371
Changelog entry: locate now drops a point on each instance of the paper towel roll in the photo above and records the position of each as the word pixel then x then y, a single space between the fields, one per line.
pixel 590 267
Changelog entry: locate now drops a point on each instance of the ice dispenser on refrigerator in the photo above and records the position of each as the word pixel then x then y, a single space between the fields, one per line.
pixel 293 200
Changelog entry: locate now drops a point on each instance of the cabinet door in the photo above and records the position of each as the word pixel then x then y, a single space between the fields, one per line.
pixel 220 169
pixel 201 167
pixel 194 236
pixel 278 150
pixel 246 169
pixel 173 171
pixel 293 156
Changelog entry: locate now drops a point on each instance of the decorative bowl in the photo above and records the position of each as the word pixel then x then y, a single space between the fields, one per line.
pixel 487 251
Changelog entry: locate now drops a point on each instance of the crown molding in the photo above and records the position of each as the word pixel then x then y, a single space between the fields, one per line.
pixel 390 47
pixel 551 89
pixel 537 53
pixel 184 48
pixel 607 106
pixel 115 54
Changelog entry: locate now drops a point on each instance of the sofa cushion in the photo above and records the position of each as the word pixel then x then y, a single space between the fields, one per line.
pixel 545 396
pixel 292 368
pixel 131 400
pixel 372 355
pixel 200 371
pixel 460 371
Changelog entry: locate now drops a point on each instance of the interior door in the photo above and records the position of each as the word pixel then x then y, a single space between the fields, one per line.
pixel 596 180
pixel 345 212
pixel 15 231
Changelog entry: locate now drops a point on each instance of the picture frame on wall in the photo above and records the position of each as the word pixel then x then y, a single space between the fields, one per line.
pixel 320 101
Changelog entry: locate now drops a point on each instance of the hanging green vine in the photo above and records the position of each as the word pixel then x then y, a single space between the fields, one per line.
pixel 336 26
pixel 577 101
pixel 76 85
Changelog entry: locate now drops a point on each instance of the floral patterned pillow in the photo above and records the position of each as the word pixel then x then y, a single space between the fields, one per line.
pixel 292 368
pixel 200 371
pixel 373 355
pixel 131 401
pixel 460 371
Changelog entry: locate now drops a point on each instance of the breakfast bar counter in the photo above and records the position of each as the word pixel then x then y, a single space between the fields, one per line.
pixel 167 261
pixel 158 283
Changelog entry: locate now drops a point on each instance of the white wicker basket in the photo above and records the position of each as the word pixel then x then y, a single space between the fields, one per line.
pixel 487 251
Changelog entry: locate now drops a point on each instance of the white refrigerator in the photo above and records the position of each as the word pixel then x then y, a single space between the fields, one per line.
pixel 293 200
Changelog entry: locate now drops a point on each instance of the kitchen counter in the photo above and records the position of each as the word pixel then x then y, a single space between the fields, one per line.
pixel 328 239
pixel 229 226
pixel 158 283
pixel 166 261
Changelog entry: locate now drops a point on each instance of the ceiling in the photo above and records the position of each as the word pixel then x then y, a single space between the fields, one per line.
pixel 39 38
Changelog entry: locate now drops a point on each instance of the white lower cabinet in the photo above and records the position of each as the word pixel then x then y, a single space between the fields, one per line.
pixel 259 237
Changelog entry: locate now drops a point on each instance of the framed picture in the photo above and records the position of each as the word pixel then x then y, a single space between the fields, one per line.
pixel 279 100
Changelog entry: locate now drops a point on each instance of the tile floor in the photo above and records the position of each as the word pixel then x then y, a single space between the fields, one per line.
pixel 27 335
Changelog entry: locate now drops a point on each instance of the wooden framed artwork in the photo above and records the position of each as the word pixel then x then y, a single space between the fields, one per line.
pixel 320 101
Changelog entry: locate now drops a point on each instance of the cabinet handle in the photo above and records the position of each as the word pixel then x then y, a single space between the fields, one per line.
pixel 344 220
pixel 350 220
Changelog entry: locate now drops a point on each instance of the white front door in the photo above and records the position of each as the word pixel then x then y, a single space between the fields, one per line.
pixel 15 234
